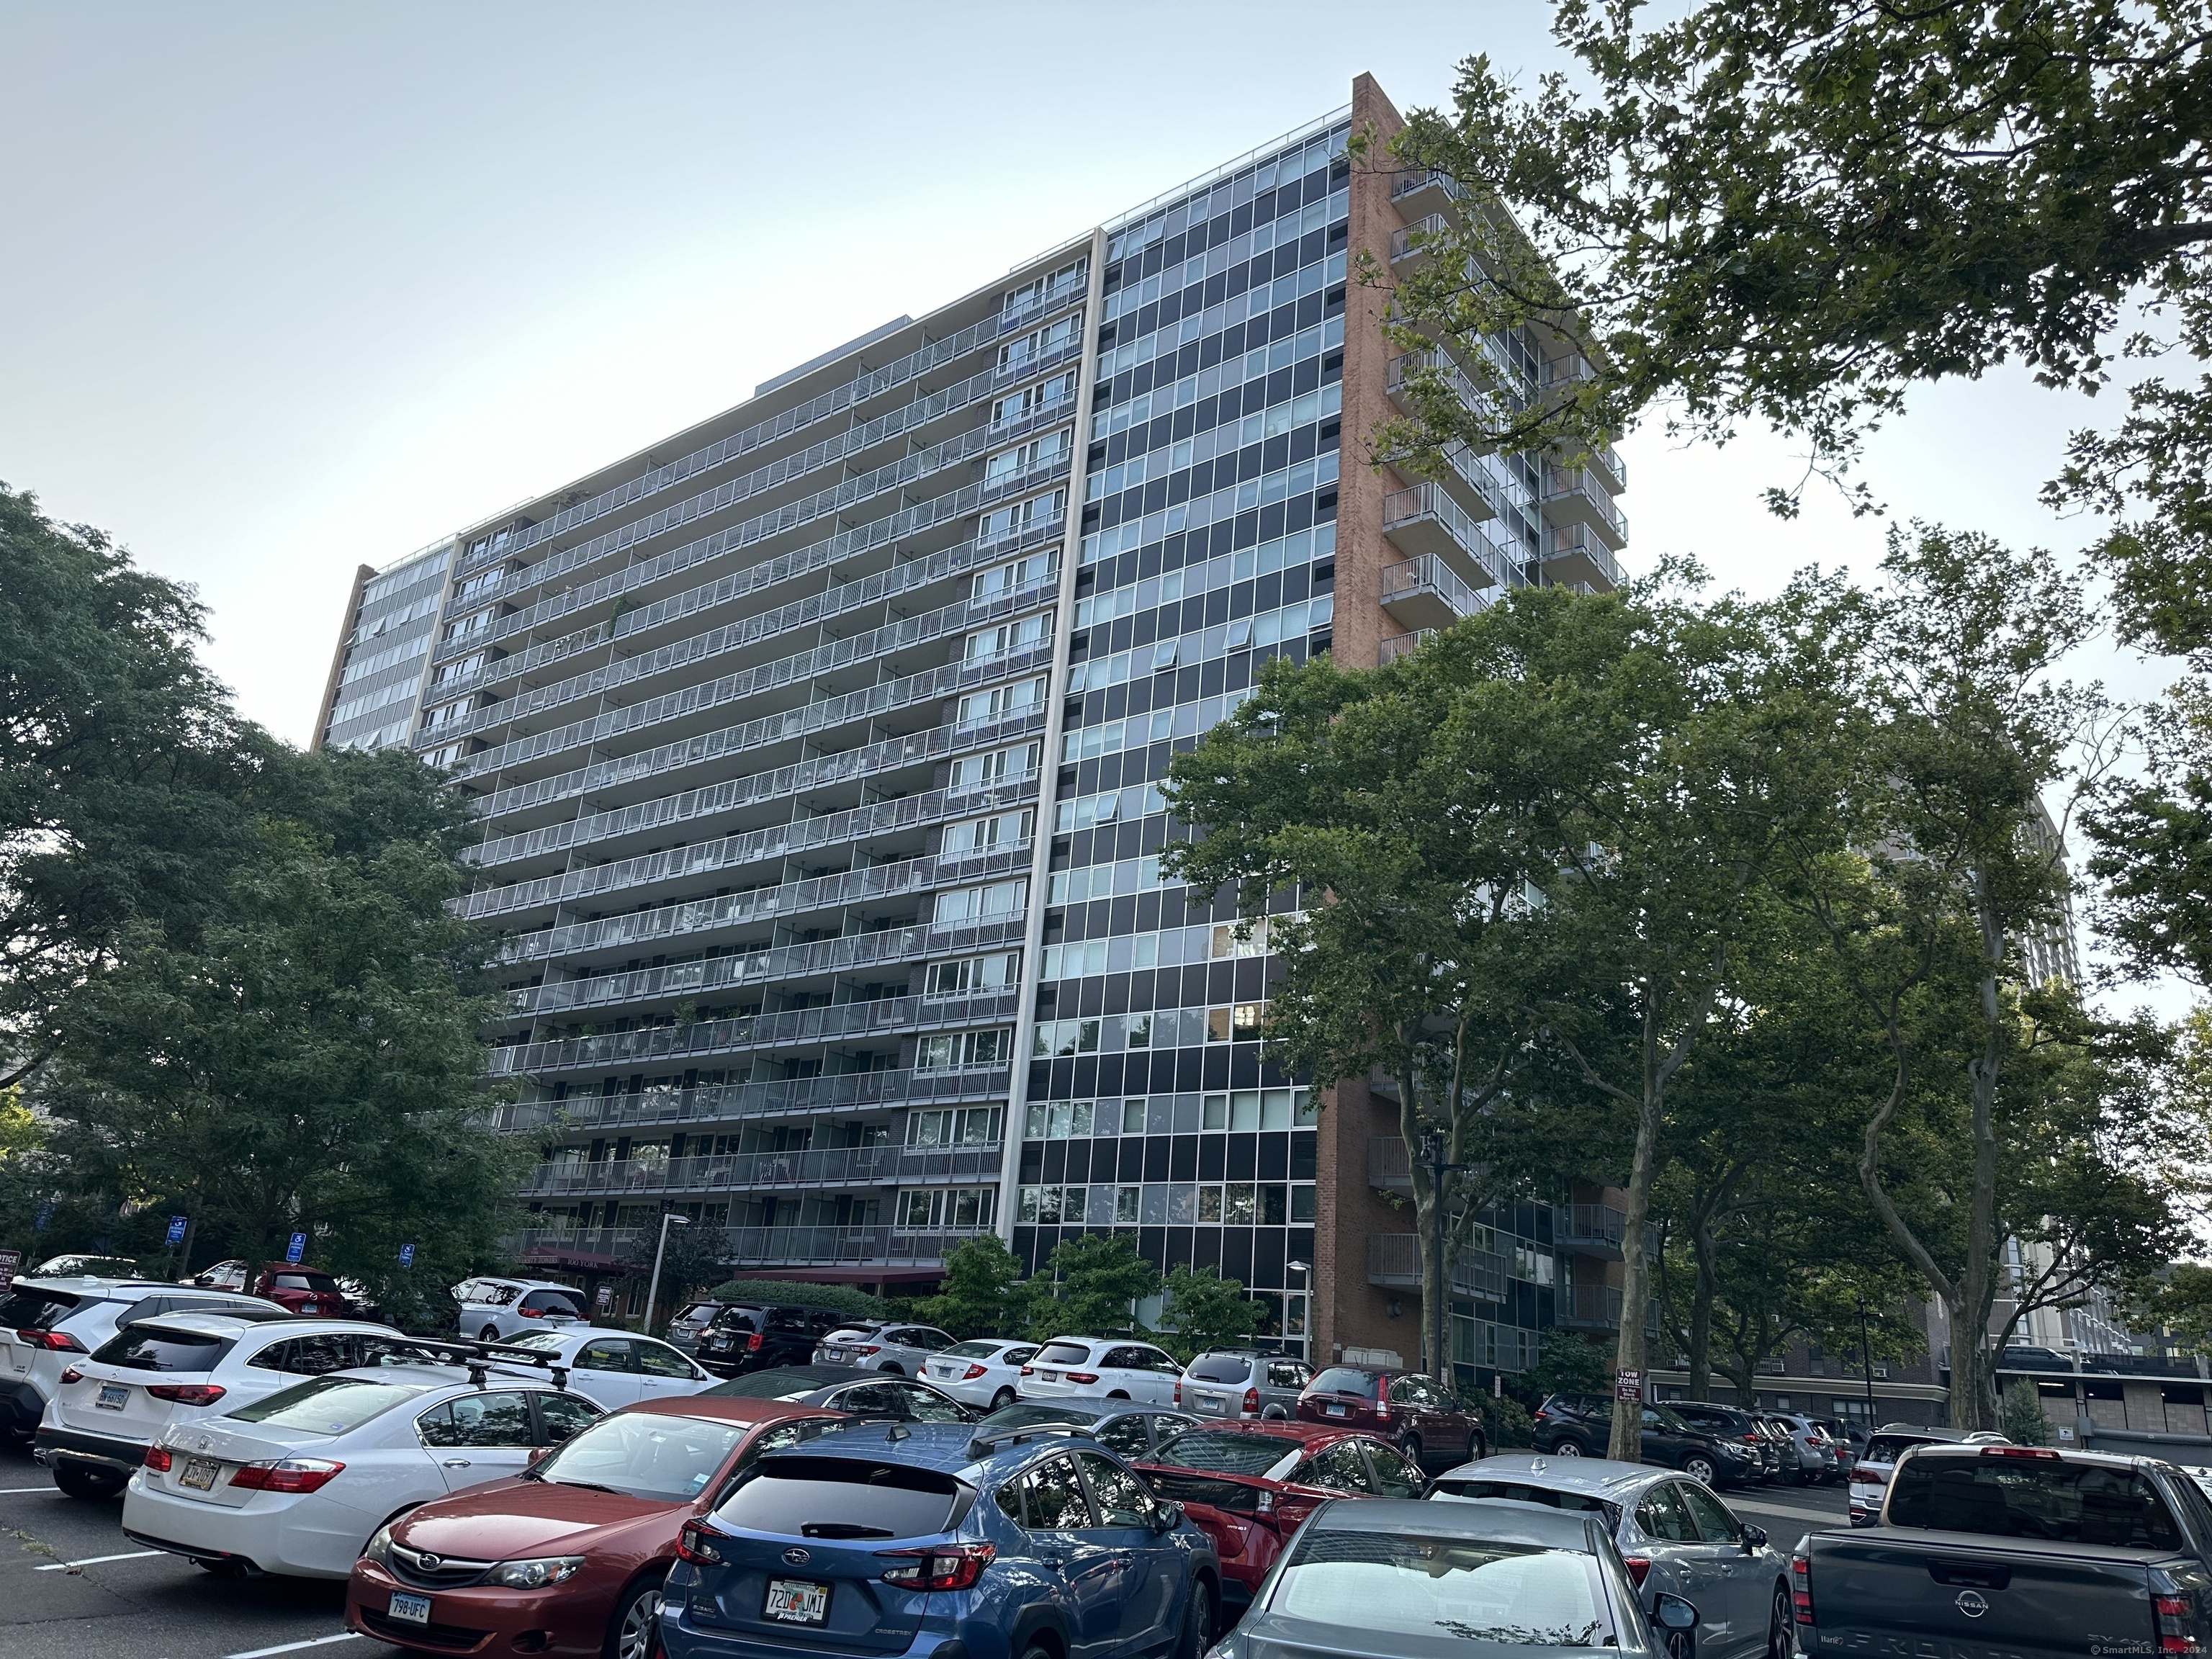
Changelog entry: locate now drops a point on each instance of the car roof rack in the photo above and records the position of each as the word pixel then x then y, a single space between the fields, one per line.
pixel 479 1357
pixel 984 1444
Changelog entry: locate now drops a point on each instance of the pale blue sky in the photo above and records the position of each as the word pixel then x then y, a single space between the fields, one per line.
pixel 287 289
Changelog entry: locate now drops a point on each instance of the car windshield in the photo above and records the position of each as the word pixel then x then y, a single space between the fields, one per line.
pixel 1513 1596
pixel 328 1404
pixel 795 1497
pixel 1063 1353
pixel 1343 1379
pixel 699 1313
pixel 152 1348
pixel 1521 1493
pixel 1220 1368
pixel 1886 1448
pixel 1022 1414
pixel 2031 1497
pixel 1227 1453
pixel 646 1454
pixel 785 1382
pixel 539 1339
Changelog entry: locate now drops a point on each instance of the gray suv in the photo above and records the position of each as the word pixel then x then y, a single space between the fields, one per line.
pixel 1242 1384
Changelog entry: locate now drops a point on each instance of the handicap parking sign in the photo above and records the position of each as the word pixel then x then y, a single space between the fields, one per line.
pixel 176 1229
pixel 406 1256
pixel 296 1249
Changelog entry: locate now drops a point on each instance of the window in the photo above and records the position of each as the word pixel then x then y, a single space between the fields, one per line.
pixel 655 1360
pixel 150 1348
pixel 1032 402
pixel 1039 343
pixel 1000 702
pixel 1038 512
pixel 1125 1435
pixel 493 1419
pixel 1001 972
pixel 563 1414
pixel 1392 1583
pixel 605 1356
pixel 840 1497
pixel 949 1206
pixel 1034 571
pixel 1011 463
pixel 1020 634
pixel 1661 1515
pixel 992 900
pixel 1060 282
pixel 1059 1119
pixel 979 771
pixel 1710 1516
pixel 2014 1496
pixel 968 1126
pixel 1121 1499
pixel 1053 1206
pixel 1052 1493
pixel 1394 1477
pixel 963 1051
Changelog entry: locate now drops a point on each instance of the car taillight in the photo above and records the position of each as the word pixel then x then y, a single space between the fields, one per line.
pixel 1750 1440
pixel 864 1352
pixel 1251 1400
pixel 72 1375
pixel 157 1460
pixel 1085 1377
pixel 692 1545
pixel 1862 1475
pixel 1383 1407
pixel 1801 1588
pixel 51 1341
pixel 1541 1416
pixel 972 1373
pixel 2171 1614
pixel 287 1474
pixel 946 1567
pixel 186 1393
pixel 1028 1371
pixel 753 1342
pixel 1178 1391
pixel 1638 1566
pixel 2021 1451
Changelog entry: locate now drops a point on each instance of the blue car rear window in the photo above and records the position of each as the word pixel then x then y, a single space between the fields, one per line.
pixel 842 1498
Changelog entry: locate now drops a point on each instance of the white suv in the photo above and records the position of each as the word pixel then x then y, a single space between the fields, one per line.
pixel 1101 1367
pixel 500 1309
pixel 46 1324
pixel 178 1368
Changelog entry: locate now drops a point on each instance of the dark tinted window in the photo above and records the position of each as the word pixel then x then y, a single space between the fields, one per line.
pixel 1125 1435
pixel 1662 1516
pixel 1338 1468
pixel 1121 1499
pixel 311 1356
pixel 1220 1368
pixel 2031 1497
pixel 1394 1476
pixel 1055 1498
pixel 1714 1522
pixel 553 1301
pixel 654 1360
pixel 1022 1414
pixel 1580 1502
pixel 321 1284
pixel 840 1497
pixel 1227 1453
pixel 491 1418
pixel 1343 1379
pixel 149 1348
pixel 783 1382
pixel 1062 1353
pixel 562 1414
pixel 27 1305
pixel 605 1357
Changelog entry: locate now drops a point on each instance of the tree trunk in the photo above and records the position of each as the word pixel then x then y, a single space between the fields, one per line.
pixel 1701 1310
pixel 1626 1443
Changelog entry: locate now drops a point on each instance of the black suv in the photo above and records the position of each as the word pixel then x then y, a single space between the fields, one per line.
pixel 1579 1425
pixel 750 1338
pixel 1732 1425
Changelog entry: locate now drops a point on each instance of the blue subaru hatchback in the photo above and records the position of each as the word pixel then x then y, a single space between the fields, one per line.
pixel 923 1540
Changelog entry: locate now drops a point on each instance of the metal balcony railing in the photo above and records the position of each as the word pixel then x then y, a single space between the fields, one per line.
pixel 1388 1165
pixel 1421 189
pixel 1574 553
pixel 1571 368
pixel 724 1102
pixel 1426 519
pixel 1394 1260
pixel 1404 370
pixel 829 1166
pixel 1589 1307
pixel 1577 495
pixel 1401 645
pixel 1589 1228
pixel 756 1246
pixel 1428 592
pixel 1413 242
pixel 1032 306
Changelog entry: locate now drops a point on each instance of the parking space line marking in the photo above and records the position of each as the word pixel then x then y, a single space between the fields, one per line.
pixel 10 1491
pixel 294 1647
pixel 94 1560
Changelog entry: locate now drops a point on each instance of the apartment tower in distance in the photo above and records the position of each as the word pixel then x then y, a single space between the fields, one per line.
pixel 817 752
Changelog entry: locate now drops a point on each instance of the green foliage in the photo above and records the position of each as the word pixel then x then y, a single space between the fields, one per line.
pixel 1205 1310
pixel 843 1297
pixel 695 1256
pixel 2020 1418
pixel 1089 1287
pixel 1570 1364
pixel 1505 1421
pixel 983 1293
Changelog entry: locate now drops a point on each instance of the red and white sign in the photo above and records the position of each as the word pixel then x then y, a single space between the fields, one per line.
pixel 9 1261
pixel 1628 1385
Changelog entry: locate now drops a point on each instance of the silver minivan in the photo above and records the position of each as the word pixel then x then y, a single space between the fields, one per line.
pixel 500 1309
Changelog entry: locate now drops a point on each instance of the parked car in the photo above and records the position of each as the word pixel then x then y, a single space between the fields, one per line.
pixel 1423 1419
pixel 1870 1471
pixel 986 1373
pixel 889 1347
pixel 2015 1550
pixel 46 1325
pixel 755 1338
pixel 688 1325
pixel 299 1482
pixel 1101 1367
pixel 1132 1430
pixel 1581 1425
pixel 569 1556
pixel 1736 1430
pixel 95 1267
pixel 1249 1484
pixel 616 1369
pixel 1382 1578
pixel 928 1540
pixel 1848 1434
pixel 1676 1537
pixel 1244 1382
pixel 903 1399
pixel 1819 1460
pixel 500 1309
pixel 307 1292
pixel 178 1368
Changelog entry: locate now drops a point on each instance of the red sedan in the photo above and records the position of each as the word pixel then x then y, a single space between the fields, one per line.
pixel 1247 1485
pixel 567 1558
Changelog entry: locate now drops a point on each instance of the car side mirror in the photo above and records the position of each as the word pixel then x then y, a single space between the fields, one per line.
pixel 1754 1539
pixel 1168 1516
pixel 1673 1612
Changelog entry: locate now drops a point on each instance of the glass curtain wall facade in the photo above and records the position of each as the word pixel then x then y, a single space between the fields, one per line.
pixel 818 753
pixel 374 694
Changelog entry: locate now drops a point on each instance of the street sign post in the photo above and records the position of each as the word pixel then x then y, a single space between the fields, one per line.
pixel 406 1256
pixel 1628 1385
pixel 176 1235
pixel 296 1249
pixel 9 1261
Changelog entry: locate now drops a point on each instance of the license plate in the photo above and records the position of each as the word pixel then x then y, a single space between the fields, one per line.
pixel 940 1370
pixel 410 1609
pixel 1210 1404
pixel 840 1354
pixel 1336 1411
pixel 307 1307
pixel 796 1602
pixel 1047 1376
pixel 113 1397
pixel 200 1473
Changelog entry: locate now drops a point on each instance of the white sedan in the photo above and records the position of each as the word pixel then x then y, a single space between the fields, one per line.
pixel 986 1373
pixel 616 1369
pixel 297 1483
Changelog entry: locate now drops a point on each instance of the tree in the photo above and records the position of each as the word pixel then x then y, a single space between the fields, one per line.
pixel 1205 1310
pixel 306 1058
pixel 1090 1286
pixel 697 1256
pixel 2021 1419
pixel 857 1304
pixel 982 1294
pixel 121 767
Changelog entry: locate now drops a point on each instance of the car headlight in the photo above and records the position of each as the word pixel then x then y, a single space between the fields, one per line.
pixel 379 1547
pixel 536 1574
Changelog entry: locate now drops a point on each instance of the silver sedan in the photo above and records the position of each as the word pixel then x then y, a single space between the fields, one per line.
pixel 1675 1536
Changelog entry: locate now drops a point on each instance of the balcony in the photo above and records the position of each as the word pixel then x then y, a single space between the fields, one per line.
pixel 1031 307
pixel 1588 1307
pixel 1572 370
pixel 1401 645
pixel 1610 467
pixel 724 1102
pixel 1573 553
pixel 1423 190
pixel 1393 1260
pixel 1408 368
pixel 751 1247
pixel 1590 1229
pixel 1387 1167
pixel 1426 519
pixel 1426 593
pixel 828 1167
pixel 1577 495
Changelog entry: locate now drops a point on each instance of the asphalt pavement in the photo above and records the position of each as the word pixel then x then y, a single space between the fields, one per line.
pixel 73 1587
pixel 1788 1513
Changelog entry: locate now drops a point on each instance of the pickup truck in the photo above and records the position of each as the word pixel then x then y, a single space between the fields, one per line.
pixel 1998 1551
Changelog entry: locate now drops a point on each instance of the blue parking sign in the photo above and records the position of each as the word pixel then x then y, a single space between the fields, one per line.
pixel 406 1256
pixel 296 1249
pixel 176 1229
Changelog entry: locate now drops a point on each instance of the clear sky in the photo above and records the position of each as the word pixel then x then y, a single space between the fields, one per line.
pixel 287 289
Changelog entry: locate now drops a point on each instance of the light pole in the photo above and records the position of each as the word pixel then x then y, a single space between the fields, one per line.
pixel 1306 1275
pixel 653 1290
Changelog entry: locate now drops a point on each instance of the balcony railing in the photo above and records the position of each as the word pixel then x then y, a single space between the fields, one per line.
pixel 1056 295
pixel 1574 553
pixel 1427 592
pixel 1426 519
pixel 1387 1166
pixel 829 1166
pixel 755 1247
pixel 722 1102
pixel 1589 1308
pixel 1413 242
pixel 1402 645
pixel 1571 369
pixel 1590 1229
pixel 1394 1260
pixel 1424 189
pixel 1577 495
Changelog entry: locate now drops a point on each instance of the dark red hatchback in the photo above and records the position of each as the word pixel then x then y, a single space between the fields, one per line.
pixel 1414 1413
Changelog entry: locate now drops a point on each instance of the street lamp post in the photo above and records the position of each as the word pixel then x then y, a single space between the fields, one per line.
pixel 653 1290
pixel 1305 1276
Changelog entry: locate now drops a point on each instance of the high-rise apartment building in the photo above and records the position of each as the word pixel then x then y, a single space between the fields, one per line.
pixel 817 751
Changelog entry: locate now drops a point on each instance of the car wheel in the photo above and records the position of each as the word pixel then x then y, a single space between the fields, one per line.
pixel 78 1481
pixel 1118 1394
pixel 1781 1626
pixel 1568 1449
pixel 1410 1443
pixel 634 1633
pixel 1004 1398
pixel 488 1333
pixel 1197 1622
pixel 1476 1451
pixel 1700 1468
pixel 892 1366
